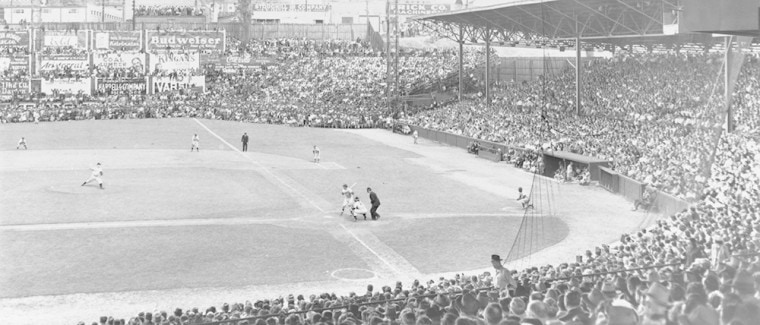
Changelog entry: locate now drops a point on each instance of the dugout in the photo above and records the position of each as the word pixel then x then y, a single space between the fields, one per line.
pixel 554 159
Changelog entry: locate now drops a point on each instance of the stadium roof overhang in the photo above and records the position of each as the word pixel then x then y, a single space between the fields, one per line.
pixel 604 21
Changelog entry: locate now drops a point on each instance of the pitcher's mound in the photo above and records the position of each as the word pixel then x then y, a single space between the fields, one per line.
pixel 89 189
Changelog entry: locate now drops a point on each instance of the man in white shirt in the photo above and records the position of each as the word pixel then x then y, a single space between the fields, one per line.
pixel 97 172
pixel 21 143
pixel 503 276
pixel 196 143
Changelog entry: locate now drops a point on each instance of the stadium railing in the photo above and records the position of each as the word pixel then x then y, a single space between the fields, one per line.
pixel 346 32
pixel 593 276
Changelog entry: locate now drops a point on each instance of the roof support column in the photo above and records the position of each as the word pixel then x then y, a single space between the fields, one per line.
pixel 395 63
pixel 388 53
pixel 461 62
pixel 578 68
pixel 727 80
pixel 488 69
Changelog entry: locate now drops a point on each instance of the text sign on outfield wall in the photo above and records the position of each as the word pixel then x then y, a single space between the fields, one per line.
pixel 169 84
pixel 14 63
pixel 315 7
pixel 66 86
pixel 188 40
pixel 10 87
pixel 109 61
pixel 419 9
pixel 130 85
pixel 14 39
pixel 60 62
pixel 55 39
pixel 172 61
pixel 125 41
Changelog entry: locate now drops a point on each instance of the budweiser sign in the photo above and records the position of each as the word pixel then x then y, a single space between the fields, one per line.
pixel 190 40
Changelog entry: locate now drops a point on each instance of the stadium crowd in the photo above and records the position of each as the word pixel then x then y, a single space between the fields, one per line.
pixel 652 116
pixel 327 84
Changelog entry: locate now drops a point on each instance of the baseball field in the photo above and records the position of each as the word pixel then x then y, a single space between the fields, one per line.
pixel 175 228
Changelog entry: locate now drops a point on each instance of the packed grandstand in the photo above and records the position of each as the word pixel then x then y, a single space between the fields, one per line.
pixel 653 116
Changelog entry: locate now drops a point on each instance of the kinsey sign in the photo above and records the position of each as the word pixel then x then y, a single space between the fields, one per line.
pixel 14 39
pixel 174 61
pixel 419 9
pixel 190 40
pixel 126 41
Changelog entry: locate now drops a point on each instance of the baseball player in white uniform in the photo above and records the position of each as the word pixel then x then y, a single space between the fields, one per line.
pixel 359 208
pixel 415 135
pixel 348 195
pixel 196 143
pixel 21 143
pixel 97 173
pixel 315 151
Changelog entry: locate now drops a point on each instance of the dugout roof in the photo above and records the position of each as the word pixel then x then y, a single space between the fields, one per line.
pixel 592 20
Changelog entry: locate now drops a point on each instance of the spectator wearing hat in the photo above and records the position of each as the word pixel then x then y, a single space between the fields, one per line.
pixel 504 279
pixel 655 308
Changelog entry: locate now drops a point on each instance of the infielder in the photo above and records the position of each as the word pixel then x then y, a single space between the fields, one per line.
pixel 21 142
pixel 97 172
pixel 348 195
pixel 415 136
pixel 315 151
pixel 523 199
pixel 358 208
pixel 196 143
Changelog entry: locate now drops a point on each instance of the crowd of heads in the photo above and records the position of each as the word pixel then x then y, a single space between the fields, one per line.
pixel 331 83
pixel 653 117
pixel 168 11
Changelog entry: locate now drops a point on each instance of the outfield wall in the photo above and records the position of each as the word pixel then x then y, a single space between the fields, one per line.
pixel 612 181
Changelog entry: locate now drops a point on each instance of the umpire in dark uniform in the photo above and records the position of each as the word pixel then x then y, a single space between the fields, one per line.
pixel 375 204
pixel 245 141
